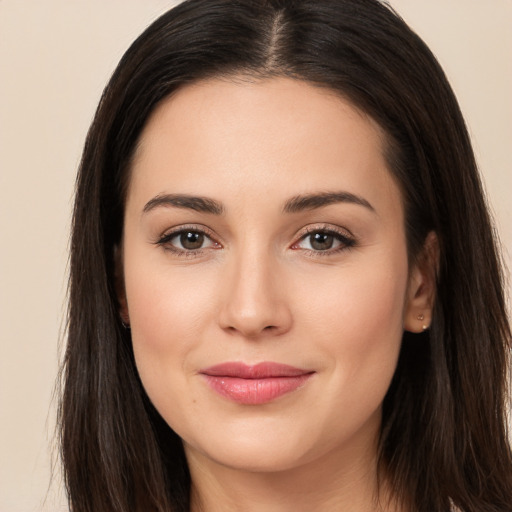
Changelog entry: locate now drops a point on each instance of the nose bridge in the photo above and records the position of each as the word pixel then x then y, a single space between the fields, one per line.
pixel 255 301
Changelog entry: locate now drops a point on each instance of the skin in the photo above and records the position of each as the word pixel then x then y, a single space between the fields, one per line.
pixel 258 290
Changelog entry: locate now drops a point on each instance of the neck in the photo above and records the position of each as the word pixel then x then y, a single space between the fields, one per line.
pixel 332 482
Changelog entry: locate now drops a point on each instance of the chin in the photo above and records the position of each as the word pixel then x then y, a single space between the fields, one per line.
pixel 253 450
pixel 255 459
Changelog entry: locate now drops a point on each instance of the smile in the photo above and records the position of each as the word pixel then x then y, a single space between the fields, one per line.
pixel 254 385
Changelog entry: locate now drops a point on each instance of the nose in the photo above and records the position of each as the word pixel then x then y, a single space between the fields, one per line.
pixel 254 298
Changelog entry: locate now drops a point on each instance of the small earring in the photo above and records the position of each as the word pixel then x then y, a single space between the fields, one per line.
pixel 421 317
pixel 126 326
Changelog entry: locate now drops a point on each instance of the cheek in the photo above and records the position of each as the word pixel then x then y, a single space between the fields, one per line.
pixel 165 305
pixel 168 312
pixel 361 299
pixel 356 318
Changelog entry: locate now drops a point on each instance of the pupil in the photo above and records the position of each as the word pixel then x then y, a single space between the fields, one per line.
pixel 321 241
pixel 191 240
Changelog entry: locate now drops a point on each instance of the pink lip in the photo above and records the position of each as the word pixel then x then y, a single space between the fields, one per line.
pixel 253 385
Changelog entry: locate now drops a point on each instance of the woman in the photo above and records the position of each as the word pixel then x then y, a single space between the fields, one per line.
pixel 285 292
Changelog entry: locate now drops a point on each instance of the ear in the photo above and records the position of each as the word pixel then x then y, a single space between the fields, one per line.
pixel 421 289
pixel 119 286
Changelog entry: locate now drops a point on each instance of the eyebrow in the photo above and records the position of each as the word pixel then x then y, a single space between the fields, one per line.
pixel 197 203
pixel 296 204
pixel 313 201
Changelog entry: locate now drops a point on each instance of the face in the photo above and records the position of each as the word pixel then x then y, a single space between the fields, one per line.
pixel 265 272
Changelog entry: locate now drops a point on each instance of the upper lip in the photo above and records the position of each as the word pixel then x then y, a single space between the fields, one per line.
pixel 263 370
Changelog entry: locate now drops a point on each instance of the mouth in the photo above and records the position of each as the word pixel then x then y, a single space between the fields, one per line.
pixel 256 384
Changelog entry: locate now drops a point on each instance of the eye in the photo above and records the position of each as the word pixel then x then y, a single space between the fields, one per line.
pixel 324 240
pixel 187 240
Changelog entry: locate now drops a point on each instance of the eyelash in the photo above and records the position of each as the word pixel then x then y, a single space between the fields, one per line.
pixel 346 241
pixel 164 241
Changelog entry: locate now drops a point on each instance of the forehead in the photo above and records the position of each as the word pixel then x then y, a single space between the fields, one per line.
pixel 233 137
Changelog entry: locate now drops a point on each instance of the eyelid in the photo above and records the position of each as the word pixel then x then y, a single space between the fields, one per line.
pixel 348 240
pixel 164 239
pixel 330 228
pixel 344 236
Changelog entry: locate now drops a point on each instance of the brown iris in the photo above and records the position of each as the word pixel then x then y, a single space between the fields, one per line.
pixel 321 241
pixel 191 240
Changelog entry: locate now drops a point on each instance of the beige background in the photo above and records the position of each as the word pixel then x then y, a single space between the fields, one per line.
pixel 55 57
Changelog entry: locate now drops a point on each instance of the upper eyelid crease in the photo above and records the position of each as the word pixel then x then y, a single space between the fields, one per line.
pixel 163 241
pixel 182 229
pixel 340 233
pixel 304 232
pixel 308 230
pixel 347 238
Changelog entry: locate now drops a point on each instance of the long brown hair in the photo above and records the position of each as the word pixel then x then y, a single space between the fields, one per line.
pixel 443 438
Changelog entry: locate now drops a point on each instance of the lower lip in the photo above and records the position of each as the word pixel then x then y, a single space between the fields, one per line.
pixel 255 391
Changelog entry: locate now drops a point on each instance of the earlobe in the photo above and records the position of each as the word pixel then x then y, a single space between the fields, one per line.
pixel 120 287
pixel 422 287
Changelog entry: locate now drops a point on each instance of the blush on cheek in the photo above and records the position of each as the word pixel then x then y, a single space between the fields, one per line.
pixel 157 312
pixel 167 322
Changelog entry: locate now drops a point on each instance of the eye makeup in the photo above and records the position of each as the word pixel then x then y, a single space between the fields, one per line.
pixel 193 239
pixel 316 240
pixel 324 240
